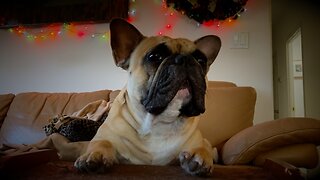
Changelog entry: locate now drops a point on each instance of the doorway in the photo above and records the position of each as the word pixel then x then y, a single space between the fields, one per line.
pixel 295 75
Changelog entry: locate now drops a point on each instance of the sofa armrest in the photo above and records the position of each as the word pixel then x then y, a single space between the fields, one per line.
pixel 5 101
pixel 299 155
pixel 246 145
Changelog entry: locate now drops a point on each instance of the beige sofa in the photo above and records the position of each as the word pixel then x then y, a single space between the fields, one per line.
pixel 227 124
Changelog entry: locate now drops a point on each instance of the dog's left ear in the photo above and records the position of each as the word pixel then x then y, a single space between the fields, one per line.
pixel 209 45
pixel 124 39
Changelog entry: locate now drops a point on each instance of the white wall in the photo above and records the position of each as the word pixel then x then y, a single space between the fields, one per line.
pixel 68 63
pixel 85 64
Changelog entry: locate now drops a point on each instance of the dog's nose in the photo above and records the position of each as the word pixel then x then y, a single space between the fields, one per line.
pixel 180 59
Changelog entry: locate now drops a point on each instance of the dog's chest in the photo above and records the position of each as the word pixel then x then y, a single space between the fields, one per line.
pixel 163 148
pixel 166 141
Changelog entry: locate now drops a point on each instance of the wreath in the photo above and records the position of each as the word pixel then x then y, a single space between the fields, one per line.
pixel 208 10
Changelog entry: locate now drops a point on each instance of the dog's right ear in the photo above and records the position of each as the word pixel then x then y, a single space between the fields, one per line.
pixel 124 39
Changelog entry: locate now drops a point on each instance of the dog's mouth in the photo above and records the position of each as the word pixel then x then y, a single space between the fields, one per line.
pixel 184 94
pixel 176 82
pixel 194 104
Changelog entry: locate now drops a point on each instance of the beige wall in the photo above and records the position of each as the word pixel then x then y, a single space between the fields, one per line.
pixel 75 64
pixel 288 16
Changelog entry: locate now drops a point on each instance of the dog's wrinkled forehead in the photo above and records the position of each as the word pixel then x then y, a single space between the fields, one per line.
pixel 176 46
pixel 181 46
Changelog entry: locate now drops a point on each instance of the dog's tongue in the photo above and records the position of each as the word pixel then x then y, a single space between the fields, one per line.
pixel 183 93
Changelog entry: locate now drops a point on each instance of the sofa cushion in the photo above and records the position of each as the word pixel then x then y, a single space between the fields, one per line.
pixel 243 147
pixel 5 101
pixel 228 111
pixel 29 112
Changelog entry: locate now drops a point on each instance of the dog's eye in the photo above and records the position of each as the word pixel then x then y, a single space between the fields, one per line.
pixel 201 60
pixel 155 57
pixel 200 57
pixel 158 54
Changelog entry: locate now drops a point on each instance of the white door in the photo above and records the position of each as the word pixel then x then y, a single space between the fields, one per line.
pixel 295 75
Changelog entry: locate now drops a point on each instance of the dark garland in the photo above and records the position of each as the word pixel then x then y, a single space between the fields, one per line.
pixel 207 10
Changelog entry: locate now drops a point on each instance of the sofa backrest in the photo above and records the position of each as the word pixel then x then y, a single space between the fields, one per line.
pixel 229 109
pixel 218 84
pixel 29 112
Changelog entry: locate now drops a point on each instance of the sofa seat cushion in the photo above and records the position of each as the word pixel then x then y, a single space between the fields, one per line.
pixel 246 145
pixel 30 112
pixel 228 111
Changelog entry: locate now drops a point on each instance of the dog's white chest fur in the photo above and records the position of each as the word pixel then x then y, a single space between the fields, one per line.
pixel 166 140
pixel 162 147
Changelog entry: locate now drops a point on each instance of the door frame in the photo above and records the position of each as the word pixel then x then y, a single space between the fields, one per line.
pixel 290 75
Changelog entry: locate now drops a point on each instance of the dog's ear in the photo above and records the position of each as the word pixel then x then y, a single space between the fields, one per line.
pixel 124 38
pixel 209 45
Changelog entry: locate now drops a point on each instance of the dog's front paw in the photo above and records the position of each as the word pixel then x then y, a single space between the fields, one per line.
pixel 94 162
pixel 198 163
pixel 97 160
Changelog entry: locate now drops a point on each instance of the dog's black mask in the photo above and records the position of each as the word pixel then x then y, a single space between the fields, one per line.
pixel 172 72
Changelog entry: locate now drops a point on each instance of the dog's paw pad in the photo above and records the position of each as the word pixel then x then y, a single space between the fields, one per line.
pixel 194 164
pixel 94 162
pixel 81 164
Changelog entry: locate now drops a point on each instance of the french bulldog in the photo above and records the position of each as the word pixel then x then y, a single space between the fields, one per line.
pixel 153 120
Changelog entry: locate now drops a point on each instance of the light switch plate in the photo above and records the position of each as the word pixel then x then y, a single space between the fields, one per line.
pixel 240 40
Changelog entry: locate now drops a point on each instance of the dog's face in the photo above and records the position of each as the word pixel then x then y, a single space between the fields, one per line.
pixel 162 69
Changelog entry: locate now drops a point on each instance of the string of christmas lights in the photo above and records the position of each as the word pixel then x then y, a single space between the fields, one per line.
pixel 56 31
pixel 170 17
